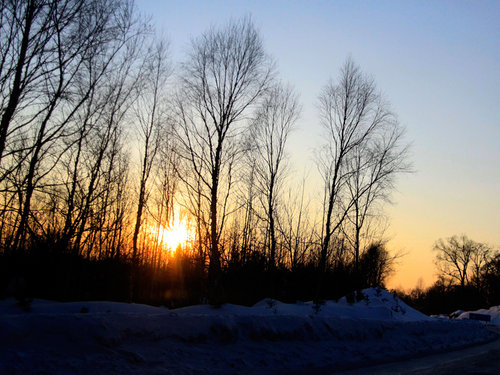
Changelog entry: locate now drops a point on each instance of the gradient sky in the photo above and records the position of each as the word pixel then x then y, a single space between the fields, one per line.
pixel 437 63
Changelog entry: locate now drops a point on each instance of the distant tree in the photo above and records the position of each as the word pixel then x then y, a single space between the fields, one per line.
pixel 419 290
pixel 297 227
pixel 481 257
pixel 490 280
pixel 376 264
pixel 460 258
pixel 226 72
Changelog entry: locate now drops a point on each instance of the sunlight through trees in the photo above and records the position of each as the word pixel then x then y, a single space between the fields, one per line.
pixel 122 168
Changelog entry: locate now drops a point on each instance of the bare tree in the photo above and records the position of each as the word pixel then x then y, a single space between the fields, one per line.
pixel 165 188
pixel 226 72
pixel 373 167
pixel 353 114
pixel 250 218
pixel 99 130
pixel 481 256
pixel 43 45
pixel 43 102
pixel 271 127
pixel 152 119
pixel 461 258
pixel 27 32
pixel 297 227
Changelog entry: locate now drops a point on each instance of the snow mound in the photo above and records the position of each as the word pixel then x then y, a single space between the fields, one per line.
pixel 269 337
pixel 493 312
pixel 376 304
pixel 379 304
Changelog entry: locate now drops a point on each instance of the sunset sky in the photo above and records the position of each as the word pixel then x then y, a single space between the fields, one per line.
pixel 437 63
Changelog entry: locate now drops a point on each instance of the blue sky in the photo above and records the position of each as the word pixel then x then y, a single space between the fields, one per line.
pixel 437 63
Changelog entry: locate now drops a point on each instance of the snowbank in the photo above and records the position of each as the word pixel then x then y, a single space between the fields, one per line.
pixel 493 312
pixel 270 337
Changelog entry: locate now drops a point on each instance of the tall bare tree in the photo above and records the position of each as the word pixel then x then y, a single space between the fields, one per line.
pixel 353 114
pixel 97 129
pixel 373 167
pixel 225 73
pixel 270 130
pixel 165 188
pixel 152 119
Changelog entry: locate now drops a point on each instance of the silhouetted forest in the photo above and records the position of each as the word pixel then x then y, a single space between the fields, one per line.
pixel 469 278
pixel 107 145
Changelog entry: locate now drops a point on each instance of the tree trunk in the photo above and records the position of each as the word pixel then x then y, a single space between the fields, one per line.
pixel 272 229
pixel 214 267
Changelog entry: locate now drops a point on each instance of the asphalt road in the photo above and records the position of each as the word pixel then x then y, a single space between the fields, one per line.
pixel 480 359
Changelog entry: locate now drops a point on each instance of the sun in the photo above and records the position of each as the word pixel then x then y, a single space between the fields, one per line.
pixel 177 234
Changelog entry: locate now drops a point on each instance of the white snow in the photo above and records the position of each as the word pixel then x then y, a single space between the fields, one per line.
pixel 268 338
pixel 493 312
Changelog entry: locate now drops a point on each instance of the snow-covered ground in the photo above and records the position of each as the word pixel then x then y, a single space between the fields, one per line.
pixel 268 338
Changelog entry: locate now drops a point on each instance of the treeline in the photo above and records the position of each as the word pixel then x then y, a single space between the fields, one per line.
pixel 105 143
pixel 469 278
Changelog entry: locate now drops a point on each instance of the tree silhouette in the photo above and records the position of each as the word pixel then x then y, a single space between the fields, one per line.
pixel 226 72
